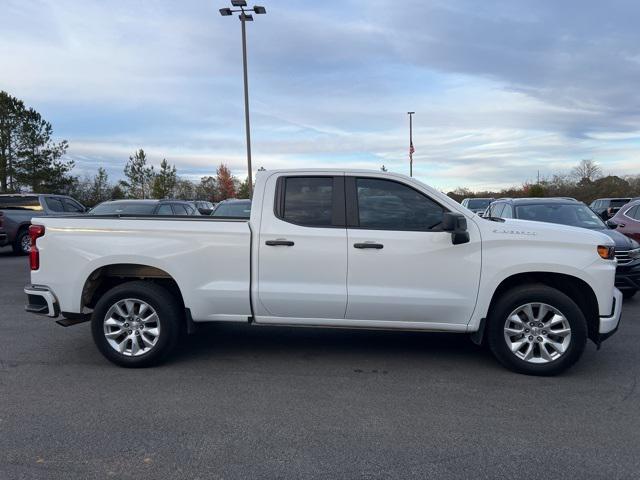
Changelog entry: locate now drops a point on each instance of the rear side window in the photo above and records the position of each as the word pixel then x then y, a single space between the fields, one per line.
pixel 164 209
pixel 72 206
pixel 17 202
pixel 308 201
pixel 54 204
pixel 633 212
pixel 180 209
pixel 389 205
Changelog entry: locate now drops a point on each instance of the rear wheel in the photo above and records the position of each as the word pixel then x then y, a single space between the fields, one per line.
pixel 537 330
pixel 136 324
pixel 22 243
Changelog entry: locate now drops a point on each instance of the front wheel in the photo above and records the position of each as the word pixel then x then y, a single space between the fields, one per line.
pixel 537 330
pixel 136 324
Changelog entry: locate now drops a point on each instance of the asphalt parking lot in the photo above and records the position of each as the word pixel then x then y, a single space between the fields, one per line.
pixel 263 402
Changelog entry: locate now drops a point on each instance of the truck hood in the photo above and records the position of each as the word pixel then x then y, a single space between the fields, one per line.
pixel 541 231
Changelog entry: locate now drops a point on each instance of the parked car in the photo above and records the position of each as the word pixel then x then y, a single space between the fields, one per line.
pixel 477 205
pixel 627 220
pixel 144 207
pixel 204 207
pixel 233 208
pixel 17 210
pixel 331 248
pixel 577 214
pixel 608 207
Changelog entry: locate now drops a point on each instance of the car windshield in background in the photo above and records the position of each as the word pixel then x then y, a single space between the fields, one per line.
pixel 131 208
pixel 575 215
pixel 233 209
pixel 19 203
pixel 619 203
pixel 477 203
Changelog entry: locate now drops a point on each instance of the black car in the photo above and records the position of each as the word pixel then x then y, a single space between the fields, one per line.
pixel 576 214
pixel 144 207
pixel 608 207
pixel 233 208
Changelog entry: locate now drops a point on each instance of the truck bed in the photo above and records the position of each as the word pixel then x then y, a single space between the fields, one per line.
pixel 209 258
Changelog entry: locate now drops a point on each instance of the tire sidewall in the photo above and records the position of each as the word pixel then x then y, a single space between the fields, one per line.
pixel 537 294
pixel 17 247
pixel 168 317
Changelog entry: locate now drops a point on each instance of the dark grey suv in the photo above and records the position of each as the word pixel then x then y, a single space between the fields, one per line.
pixel 17 210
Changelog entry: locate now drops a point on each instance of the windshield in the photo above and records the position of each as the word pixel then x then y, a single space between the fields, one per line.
pixel 130 208
pixel 574 215
pixel 619 203
pixel 19 202
pixel 478 203
pixel 235 209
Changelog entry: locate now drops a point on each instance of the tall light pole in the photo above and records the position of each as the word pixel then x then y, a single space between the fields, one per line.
pixel 411 149
pixel 245 17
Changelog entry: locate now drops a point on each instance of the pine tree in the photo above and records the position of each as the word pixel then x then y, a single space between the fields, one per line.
pixel 139 175
pixel 165 180
pixel 11 115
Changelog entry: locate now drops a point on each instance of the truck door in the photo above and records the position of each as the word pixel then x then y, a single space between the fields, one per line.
pixel 302 249
pixel 401 266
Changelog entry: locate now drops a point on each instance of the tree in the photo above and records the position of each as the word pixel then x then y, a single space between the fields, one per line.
pixel 101 190
pixel 224 180
pixel 206 189
pixel 11 115
pixel 243 190
pixel 165 180
pixel 184 189
pixel 40 165
pixel 139 175
pixel 587 170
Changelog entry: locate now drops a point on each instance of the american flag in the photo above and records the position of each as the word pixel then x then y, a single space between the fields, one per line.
pixel 411 149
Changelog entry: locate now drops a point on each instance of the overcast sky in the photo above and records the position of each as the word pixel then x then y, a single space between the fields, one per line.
pixel 501 88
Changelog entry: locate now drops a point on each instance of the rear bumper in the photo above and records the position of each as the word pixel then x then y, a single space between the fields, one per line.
pixel 41 300
pixel 609 324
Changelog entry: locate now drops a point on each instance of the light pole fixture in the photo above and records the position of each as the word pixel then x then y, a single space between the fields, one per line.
pixel 245 16
pixel 411 149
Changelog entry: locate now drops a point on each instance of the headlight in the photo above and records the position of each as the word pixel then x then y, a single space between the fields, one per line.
pixel 635 253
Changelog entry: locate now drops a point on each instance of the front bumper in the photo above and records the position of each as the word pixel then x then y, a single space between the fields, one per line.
pixel 609 324
pixel 41 300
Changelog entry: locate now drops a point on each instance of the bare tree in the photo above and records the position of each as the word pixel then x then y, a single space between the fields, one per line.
pixel 587 170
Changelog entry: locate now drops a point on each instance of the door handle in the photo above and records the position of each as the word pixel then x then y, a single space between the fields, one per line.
pixel 622 225
pixel 376 246
pixel 279 243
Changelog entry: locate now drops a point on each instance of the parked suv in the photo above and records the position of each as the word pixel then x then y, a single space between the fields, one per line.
pixel 145 207
pixel 17 210
pixel 477 205
pixel 627 220
pixel 608 207
pixel 577 214
pixel 233 208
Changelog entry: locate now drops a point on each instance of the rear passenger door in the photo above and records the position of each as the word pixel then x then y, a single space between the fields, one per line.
pixel 302 253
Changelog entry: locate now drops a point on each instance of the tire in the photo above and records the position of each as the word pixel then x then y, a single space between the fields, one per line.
pixel 555 346
pixel 22 240
pixel 628 294
pixel 116 315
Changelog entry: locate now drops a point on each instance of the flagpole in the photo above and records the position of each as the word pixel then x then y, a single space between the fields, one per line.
pixel 410 143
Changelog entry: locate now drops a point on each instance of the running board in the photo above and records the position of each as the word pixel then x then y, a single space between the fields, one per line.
pixel 68 322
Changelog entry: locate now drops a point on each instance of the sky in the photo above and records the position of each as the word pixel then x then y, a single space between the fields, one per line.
pixel 502 89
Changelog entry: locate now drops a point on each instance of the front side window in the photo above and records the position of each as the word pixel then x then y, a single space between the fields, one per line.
pixel 496 210
pixel 507 212
pixel 72 206
pixel 633 212
pixel 164 209
pixel 308 201
pixel 389 205
pixel 180 209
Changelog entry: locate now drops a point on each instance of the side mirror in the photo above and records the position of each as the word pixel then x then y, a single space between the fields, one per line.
pixel 456 223
pixel 611 224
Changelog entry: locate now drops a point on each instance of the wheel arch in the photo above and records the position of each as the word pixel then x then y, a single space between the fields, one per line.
pixel 108 276
pixel 575 288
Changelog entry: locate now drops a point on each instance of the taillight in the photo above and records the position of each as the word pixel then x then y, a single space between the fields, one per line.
pixel 35 232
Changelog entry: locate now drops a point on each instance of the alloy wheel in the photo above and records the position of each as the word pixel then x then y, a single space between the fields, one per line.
pixel 131 327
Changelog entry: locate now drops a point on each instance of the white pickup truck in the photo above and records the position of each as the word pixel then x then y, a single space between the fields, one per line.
pixel 330 248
